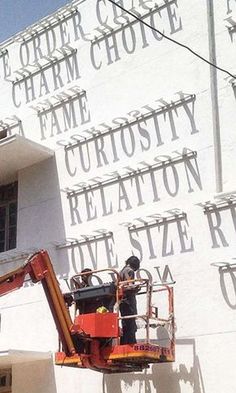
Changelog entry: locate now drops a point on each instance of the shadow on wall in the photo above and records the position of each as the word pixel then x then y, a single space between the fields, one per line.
pixel 228 284
pixel 161 378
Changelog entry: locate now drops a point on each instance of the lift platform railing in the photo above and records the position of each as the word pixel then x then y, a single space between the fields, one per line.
pixel 150 315
pixel 142 286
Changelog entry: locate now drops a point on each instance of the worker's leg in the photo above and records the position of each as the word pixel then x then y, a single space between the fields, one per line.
pixel 128 326
pixel 131 332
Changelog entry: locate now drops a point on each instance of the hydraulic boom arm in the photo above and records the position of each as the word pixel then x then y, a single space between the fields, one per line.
pixel 39 268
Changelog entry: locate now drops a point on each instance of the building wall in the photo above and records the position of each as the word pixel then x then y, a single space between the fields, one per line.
pixel 134 172
pixel 36 377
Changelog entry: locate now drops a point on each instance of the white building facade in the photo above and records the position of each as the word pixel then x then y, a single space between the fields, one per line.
pixel 116 141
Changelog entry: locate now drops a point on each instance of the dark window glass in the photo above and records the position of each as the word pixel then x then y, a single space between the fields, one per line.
pixel 12 214
pixel 3 134
pixel 2 222
pixel 8 216
pixel 3 381
pixel 12 238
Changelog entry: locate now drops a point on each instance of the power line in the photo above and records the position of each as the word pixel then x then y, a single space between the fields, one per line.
pixel 172 40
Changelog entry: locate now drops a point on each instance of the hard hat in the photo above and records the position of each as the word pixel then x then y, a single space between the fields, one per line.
pixel 102 310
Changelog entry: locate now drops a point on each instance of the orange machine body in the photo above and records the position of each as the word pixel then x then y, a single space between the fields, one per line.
pixel 97 325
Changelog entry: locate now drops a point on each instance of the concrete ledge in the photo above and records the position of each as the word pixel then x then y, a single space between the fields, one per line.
pixel 17 152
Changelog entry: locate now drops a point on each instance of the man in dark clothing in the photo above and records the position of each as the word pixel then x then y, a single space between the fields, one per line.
pixel 78 284
pixel 85 278
pixel 87 306
pixel 128 305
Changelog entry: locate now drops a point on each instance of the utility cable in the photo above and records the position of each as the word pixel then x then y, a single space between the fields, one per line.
pixel 172 40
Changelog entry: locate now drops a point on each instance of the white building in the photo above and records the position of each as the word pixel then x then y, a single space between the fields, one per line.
pixel 91 94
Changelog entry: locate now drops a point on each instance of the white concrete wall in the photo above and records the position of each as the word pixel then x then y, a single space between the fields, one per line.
pixel 35 377
pixel 121 86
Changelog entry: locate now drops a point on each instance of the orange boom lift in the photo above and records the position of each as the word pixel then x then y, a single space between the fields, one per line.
pixel 93 340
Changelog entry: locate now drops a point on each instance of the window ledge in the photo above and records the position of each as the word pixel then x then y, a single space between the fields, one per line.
pixel 13 356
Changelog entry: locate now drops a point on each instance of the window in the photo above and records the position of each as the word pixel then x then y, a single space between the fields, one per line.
pixel 3 134
pixel 5 381
pixel 8 216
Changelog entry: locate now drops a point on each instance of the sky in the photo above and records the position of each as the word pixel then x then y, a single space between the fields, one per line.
pixel 16 15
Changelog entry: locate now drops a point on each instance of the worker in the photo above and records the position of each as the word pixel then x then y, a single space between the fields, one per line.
pixel 84 282
pixel 128 305
pixel 85 278
pixel 88 305
pixel 97 304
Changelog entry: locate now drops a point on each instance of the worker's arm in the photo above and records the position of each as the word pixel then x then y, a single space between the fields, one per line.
pixel 130 287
